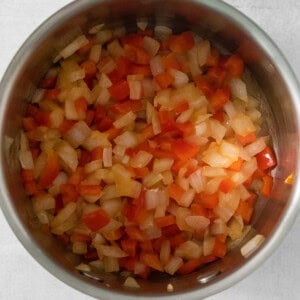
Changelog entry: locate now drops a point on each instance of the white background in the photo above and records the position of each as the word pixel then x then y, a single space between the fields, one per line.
pixel 21 277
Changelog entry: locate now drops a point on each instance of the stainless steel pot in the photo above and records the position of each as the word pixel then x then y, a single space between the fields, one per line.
pixel 228 29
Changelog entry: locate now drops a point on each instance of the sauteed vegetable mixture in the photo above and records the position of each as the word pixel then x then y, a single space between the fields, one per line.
pixel 142 151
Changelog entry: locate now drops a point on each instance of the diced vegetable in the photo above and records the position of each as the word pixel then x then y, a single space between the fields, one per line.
pixel 142 152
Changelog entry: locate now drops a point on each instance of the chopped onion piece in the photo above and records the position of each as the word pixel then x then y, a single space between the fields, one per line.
pixel 213 172
pixel 127 139
pixel 217 130
pixel 242 124
pixel 78 133
pixel 155 197
pixel 111 264
pixel 136 89
pixel 83 267
pixel 162 32
pixel 197 181
pixel 141 159
pixel 208 245
pixel 74 46
pixel 230 109
pixel 156 65
pixel 180 78
pixel 218 227
pixel 142 24
pixel 125 120
pixel 198 223
pixel 173 265
pixel 114 49
pixel 107 157
pixel 43 202
pixel 104 36
pixel 130 282
pixel 95 53
pixel 67 155
pixel 151 179
pixel 151 46
pixel 251 246
pixel 187 198
pixel 256 147
pixel 189 249
pixel 96 28
pixel 79 248
pixel 155 123
pixel 238 88
pixel 162 164
pixel 203 51
pixel 112 251
pixel 185 116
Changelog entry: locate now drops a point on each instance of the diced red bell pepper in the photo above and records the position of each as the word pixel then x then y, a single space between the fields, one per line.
pixel 96 219
pixel 247 139
pixel 267 185
pixel 226 185
pixel 51 94
pixel 90 68
pixel 89 190
pixel 182 42
pixel 151 260
pixel 175 191
pixel 219 98
pixel 129 246
pixel 164 79
pixel 50 171
pixel 120 91
pixel 165 221
pixel 69 193
pixel 184 150
pixel 193 264
pixel 266 159
pixel 170 62
pixel 234 65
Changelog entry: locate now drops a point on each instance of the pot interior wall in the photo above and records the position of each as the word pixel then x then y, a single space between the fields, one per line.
pixel 179 15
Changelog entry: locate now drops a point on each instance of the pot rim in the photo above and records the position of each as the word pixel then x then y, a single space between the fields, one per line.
pixel 288 218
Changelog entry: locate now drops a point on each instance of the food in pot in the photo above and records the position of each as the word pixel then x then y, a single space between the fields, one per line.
pixel 142 151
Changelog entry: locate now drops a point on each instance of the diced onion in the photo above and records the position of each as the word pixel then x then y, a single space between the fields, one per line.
pixel 125 120
pixel 79 248
pixel 72 47
pixel 83 267
pixel 96 28
pixel 162 32
pixel 189 250
pixel 180 78
pixel 104 36
pixel 251 246
pixel 156 65
pixel 151 46
pixel 43 202
pixel 107 157
pixel 173 265
pixel 197 181
pixel 130 282
pixel 162 164
pixel 141 159
pixel 114 48
pixel 203 51
pixel 198 223
pixel 112 251
pixel 136 89
pixel 256 147
pixel 238 88
pixel 127 139
pixel 78 133
pixel 95 53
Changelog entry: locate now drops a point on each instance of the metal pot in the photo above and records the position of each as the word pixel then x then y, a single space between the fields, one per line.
pixel 227 29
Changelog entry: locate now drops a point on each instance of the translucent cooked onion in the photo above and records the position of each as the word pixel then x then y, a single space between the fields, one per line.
pixel 251 246
pixel 198 223
pixel 238 88
pixel 141 159
pixel 173 265
pixel 189 250
pixel 151 45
